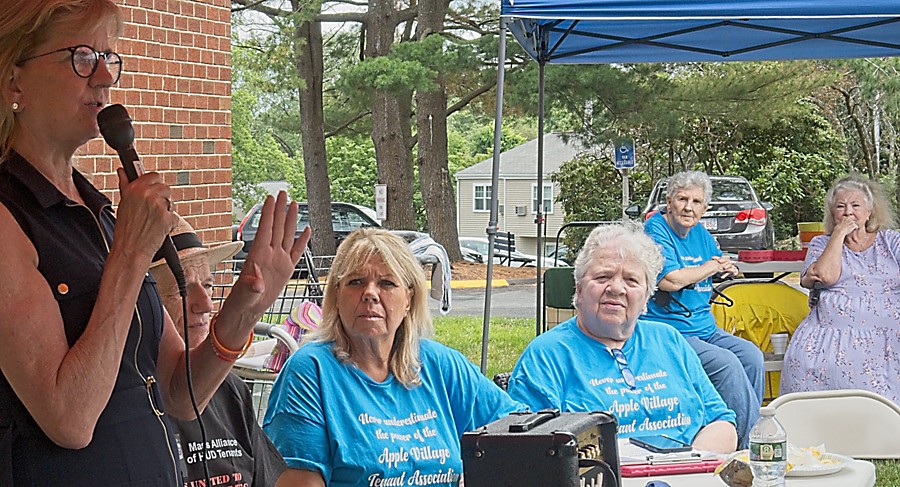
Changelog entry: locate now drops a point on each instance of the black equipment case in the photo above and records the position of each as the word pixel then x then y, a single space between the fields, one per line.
pixel 543 449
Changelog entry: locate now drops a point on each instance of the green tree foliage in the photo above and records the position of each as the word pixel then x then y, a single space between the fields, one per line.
pixel 727 118
pixel 864 105
pixel 698 111
pixel 483 140
pixel 259 151
pixel 352 169
pixel 795 183
pixel 791 164
pixel 256 155
pixel 590 189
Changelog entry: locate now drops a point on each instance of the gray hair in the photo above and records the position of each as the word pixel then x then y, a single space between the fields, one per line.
pixel 628 238
pixel 882 215
pixel 687 180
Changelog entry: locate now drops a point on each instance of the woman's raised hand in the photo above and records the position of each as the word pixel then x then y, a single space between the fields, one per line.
pixel 272 258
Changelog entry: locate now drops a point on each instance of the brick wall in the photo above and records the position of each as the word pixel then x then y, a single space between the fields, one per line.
pixel 176 85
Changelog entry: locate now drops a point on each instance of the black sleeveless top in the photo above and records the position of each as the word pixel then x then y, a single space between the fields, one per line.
pixel 132 444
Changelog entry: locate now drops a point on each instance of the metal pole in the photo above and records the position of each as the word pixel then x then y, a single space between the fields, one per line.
pixel 625 196
pixel 539 217
pixel 495 178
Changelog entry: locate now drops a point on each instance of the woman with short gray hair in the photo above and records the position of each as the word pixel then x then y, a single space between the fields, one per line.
pixel 689 180
pixel 609 358
pixel 642 247
pixel 692 258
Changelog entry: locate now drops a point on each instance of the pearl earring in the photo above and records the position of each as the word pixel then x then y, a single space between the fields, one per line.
pixel 15 106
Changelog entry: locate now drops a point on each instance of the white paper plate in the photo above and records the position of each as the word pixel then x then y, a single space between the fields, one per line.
pixel 815 470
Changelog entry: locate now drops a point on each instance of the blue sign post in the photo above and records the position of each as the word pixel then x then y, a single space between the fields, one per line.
pixel 625 154
pixel 624 161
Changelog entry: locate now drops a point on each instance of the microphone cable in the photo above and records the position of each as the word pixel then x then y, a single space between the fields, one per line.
pixel 117 130
pixel 190 385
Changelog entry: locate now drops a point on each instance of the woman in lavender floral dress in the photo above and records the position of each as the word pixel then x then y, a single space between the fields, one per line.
pixel 851 337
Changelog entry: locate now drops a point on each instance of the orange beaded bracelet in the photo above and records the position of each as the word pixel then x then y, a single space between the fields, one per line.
pixel 222 351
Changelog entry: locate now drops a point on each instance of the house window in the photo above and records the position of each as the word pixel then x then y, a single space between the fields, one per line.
pixel 548 198
pixel 482 197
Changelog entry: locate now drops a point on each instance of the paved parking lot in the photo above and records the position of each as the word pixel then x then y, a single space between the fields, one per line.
pixel 516 301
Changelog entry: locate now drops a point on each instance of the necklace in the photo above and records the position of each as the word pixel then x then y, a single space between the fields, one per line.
pixel 862 244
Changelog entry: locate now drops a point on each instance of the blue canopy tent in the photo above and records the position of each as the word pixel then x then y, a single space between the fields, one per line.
pixel 633 31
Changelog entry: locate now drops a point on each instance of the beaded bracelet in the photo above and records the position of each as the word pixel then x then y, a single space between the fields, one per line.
pixel 222 351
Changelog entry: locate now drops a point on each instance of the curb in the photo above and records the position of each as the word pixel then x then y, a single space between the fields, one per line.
pixel 522 281
pixel 477 283
pixel 480 283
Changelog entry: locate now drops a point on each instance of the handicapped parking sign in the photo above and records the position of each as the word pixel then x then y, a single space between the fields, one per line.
pixel 624 154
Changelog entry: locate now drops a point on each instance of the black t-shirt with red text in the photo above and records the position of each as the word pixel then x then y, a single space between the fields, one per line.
pixel 239 454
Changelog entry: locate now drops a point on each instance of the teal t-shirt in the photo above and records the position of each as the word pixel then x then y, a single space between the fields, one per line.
pixel 694 250
pixel 566 369
pixel 330 417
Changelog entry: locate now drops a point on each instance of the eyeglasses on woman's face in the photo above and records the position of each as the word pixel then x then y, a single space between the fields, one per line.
pixel 85 60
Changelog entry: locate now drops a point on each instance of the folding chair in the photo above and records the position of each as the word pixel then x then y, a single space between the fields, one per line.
pixel 759 309
pixel 559 288
pixel 852 422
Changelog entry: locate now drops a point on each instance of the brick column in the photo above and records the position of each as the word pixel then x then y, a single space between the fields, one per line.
pixel 176 85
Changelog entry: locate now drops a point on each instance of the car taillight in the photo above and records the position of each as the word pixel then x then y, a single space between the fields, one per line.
pixel 649 214
pixel 753 216
pixel 240 232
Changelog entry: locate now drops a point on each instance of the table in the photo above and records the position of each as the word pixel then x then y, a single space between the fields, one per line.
pixel 773 362
pixel 780 268
pixel 860 473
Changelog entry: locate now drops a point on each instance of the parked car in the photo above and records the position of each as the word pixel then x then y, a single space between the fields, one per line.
pixel 557 256
pixel 470 255
pixel 345 217
pixel 479 245
pixel 736 217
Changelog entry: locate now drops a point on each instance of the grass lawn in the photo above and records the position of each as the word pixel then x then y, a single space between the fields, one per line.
pixel 887 473
pixel 509 336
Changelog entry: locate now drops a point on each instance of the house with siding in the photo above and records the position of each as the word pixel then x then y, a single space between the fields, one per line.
pixel 516 191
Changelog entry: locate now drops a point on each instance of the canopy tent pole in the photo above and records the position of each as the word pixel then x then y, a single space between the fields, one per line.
pixel 495 179
pixel 539 218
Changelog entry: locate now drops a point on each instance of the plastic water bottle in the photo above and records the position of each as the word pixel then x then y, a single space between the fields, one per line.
pixel 768 450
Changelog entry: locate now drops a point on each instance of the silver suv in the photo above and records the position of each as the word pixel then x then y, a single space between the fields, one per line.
pixel 736 217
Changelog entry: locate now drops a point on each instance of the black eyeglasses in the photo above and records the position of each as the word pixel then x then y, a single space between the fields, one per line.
pixel 622 362
pixel 85 61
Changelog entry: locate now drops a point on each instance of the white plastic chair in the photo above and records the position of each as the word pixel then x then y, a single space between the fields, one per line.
pixel 851 422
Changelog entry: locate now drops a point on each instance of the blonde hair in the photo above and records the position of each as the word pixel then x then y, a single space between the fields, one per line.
pixel 26 24
pixel 882 215
pixel 627 238
pixel 359 248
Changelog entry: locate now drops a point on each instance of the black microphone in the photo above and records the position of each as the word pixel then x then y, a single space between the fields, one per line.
pixel 115 125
